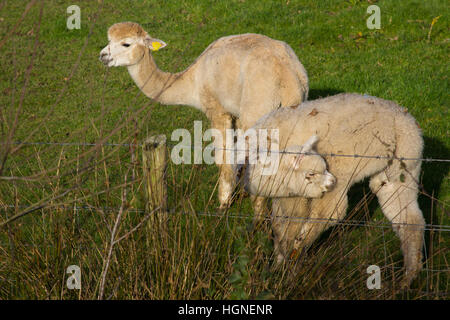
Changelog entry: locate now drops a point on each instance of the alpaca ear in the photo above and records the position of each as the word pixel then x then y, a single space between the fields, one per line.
pixel 154 44
pixel 308 146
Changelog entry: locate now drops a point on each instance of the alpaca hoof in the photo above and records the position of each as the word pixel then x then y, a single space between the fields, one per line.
pixel 410 275
pixel 280 259
pixel 224 205
pixel 405 283
pixel 225 202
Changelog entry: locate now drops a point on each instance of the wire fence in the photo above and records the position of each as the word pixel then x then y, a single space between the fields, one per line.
pixel 429 227
pixel 380 225
pixel 241 215
pixel 128 145
pixel 431 270
pixel 227 214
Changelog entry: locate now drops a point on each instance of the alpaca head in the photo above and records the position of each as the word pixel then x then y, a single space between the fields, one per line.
pixel 301 173
pixel 128 43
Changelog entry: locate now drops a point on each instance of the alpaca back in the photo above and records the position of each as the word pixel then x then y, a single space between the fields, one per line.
pixel 350 124
pixel 251 75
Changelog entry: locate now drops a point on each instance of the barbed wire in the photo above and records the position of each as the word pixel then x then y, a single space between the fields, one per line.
pixel 90 144
pixel 429 227
pixel 128 145
pixel 240 215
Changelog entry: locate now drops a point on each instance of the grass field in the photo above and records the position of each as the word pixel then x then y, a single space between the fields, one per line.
pixel 54 89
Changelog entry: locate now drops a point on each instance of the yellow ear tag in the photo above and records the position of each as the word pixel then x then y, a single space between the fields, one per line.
pixel 156 46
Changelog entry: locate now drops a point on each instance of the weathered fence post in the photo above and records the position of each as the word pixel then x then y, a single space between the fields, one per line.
pixel 154 160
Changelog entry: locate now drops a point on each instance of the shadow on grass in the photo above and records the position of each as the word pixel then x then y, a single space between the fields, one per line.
pixel 433 175
pixel 432 179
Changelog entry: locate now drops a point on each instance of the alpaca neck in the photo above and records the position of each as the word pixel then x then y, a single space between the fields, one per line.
pixel 164 87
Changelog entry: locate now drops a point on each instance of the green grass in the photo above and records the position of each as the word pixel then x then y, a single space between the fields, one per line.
pixel 206 257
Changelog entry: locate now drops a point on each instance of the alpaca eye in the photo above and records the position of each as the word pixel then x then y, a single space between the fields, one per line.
pixel 126 45
pixel 310 174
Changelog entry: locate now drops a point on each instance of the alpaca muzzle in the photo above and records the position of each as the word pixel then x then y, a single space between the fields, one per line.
pixel 329 181
pixel 105 58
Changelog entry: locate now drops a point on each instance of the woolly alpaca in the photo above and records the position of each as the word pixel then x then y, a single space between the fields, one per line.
pixel 306 174
pixel 242 76
pixel 349 124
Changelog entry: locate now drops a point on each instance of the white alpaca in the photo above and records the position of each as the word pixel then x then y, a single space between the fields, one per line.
pixel 348 124
pixel 243 76
pixel 305 174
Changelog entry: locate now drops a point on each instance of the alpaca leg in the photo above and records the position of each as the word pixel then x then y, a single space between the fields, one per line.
pixel 260 209
pixel 398 201
pixel 324 212
pixel 259 204
pixel 287 214
pixel 277 230
pixel 222 122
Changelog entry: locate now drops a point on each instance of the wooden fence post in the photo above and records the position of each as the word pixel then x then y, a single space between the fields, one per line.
pixel 154 160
